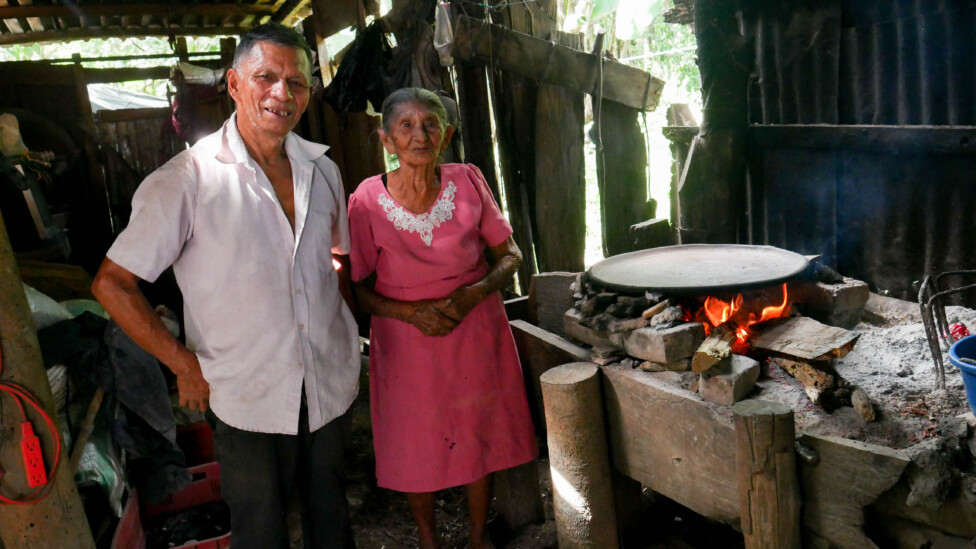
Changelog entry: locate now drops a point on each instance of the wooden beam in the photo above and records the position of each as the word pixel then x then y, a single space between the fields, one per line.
pixel 540 351
pixel 288 10
pixel 128 115
pixel 108 10
pixel 848 476
pixel 477 40
pixel 104 76
pixel 59 519
pixel 695 471
pixel 101 32
pixel 892 140
pixel 560 179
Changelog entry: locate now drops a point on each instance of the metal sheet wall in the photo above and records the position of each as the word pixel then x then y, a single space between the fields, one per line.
pixel 880 207
pixel 887 220
pixel 890 62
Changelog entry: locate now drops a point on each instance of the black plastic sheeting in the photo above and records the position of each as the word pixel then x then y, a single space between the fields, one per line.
pixel 893 62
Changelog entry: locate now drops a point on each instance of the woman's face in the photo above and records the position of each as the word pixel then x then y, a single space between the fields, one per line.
pixel 416 136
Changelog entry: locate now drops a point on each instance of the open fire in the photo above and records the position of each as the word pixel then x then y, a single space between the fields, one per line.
pixel 738 314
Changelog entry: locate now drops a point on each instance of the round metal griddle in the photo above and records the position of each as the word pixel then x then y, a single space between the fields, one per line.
pixel 698 269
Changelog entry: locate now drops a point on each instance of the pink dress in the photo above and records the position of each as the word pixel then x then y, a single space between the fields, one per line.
pixel 448 410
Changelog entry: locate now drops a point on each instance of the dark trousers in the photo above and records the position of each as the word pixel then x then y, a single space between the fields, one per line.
pixel 259 473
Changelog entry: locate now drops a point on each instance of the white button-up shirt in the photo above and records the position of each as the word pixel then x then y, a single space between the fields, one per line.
pixel 261 303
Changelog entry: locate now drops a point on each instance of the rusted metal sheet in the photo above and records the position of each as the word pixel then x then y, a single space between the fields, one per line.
pixel 892 62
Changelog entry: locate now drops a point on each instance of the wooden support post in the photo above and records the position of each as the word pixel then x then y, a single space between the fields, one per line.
pixel 582 489
pixel 769 489
pixel 59 519
pixel 712 188
pixel 560 182
pixel 623 171
pixel 518 497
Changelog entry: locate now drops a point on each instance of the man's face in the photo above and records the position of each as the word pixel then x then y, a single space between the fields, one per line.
pixel 271 89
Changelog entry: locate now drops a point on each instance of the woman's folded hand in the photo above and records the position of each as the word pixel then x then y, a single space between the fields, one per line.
pixel 457 305
pixel 431 321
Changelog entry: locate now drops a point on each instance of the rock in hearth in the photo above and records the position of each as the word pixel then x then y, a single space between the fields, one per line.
pixel 730 381
pixel 667 317
pixel 932 474
pixel 667 345
pixel 572 325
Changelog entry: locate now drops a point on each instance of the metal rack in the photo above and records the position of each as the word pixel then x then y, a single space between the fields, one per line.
pixel 931 300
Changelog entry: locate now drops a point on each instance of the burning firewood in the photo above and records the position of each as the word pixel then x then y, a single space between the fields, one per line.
pixel 804 339
pixel 716 347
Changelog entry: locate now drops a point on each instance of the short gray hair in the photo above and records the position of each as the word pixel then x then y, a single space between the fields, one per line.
pixel 271 33
pixel 402 96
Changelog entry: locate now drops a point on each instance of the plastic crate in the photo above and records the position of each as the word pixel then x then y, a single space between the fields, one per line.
pixel 204 488
pixel 197 442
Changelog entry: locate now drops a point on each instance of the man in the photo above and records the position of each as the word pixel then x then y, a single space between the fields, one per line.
pixel 247 218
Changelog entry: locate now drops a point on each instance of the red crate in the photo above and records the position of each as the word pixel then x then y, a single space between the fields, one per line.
pixel 204 488
pixel 197 442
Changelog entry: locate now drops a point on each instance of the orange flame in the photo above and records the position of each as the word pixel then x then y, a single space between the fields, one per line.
pixel 715 312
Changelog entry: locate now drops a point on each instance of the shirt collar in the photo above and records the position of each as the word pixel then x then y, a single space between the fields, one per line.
pixel 232 149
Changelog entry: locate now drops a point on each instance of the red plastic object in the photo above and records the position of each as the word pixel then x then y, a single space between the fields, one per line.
pixel 33 459
pixel 958 331
pixel 197 442
pixel 205 488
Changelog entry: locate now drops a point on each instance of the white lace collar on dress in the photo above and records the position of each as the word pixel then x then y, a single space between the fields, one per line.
pixel 425 223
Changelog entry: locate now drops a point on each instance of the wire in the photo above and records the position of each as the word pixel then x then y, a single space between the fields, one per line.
pixel 19 393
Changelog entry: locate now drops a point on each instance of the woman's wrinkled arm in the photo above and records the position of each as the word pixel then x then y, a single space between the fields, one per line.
pixel 423 314
pixel 508 258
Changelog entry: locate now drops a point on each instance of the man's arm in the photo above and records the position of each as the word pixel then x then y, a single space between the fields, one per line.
pixel 117 290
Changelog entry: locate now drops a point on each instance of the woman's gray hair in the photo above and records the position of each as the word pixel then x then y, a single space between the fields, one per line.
pixel 412 95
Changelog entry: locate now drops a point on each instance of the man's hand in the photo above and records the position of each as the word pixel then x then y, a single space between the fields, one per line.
pixel 194 390
pixel 429 320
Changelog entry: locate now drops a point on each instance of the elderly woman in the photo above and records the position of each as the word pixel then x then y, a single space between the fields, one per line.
pixel 446 391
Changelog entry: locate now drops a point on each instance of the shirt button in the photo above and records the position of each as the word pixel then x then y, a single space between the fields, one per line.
pixel 298 292
pixel 301 326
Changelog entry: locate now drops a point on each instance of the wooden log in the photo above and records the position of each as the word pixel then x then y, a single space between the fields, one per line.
pixel 540 351
pixel 803 338
pixel 716 347
pixel 655 309
pixel 849 476
pixel 815 381
pixel 59 519
pixel 560 182
pixel 769 492
pixel 582 490
pixel 476 40
pixel 695 471
pixel 622 175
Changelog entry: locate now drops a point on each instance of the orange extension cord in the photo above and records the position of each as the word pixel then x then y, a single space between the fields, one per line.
pixel 37 476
